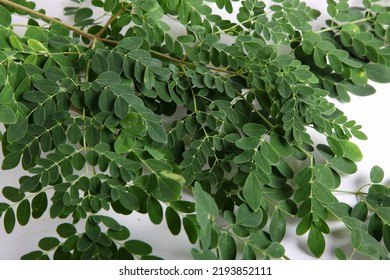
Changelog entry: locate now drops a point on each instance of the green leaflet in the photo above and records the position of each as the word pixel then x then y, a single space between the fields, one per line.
pixel 361 90
pixel 351 151
pixel 227 247
pixel 344 165
pixel 124 143
pixel 39 205
pixel 6 94
pixel 190 230
pixel 110 223
pixel 323 194
pixel 375 227
pixel 121 234
pixel 316 242
pixel 254 130
pixel 383 213
pixel 130 43
pixel 99 63
pixel 205 207
pixel 36 46
pixel 9 220
pixel 157 133
pixel 128 200
pixel 35 255
pixel 13 194
pixel 376 174
pixel 386 236
pixel 360 211
pixel 275 250
pixel 82 14
pixel 23 212
pixel 92 230
pixel 304 225
pixel 259 240
pixel 340 254
pixel 108 78
pixel 324 175
pixel 384 18
pixel 169 186
pixel 134 123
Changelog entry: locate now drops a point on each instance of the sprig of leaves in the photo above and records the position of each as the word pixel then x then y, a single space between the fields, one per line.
pixel 118 113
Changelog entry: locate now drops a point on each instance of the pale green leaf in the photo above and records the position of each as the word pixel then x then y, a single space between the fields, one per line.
pixel 37 46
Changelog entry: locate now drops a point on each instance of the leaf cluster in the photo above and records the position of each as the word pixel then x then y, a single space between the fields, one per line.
pixel 119 113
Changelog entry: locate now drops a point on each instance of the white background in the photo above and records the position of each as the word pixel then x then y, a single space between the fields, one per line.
pixel 371 112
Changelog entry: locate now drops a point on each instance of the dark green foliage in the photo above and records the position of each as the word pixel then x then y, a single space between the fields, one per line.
pixel 122 114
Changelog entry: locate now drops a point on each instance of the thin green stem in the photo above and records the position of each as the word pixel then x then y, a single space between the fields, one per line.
pixel 362 187
pixel 353 253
